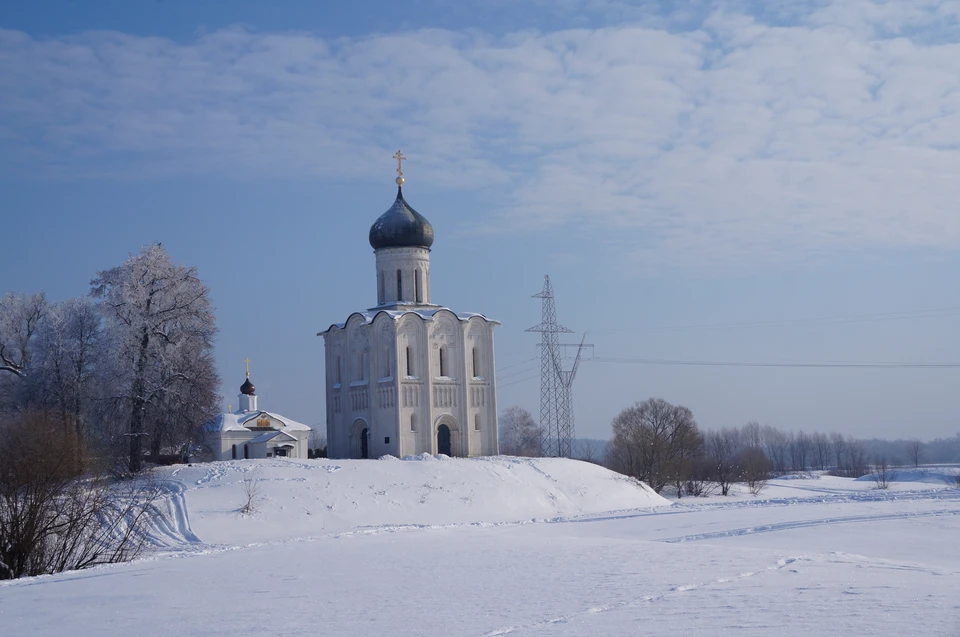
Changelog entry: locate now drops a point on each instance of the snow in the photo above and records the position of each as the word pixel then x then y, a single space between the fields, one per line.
pixel 425 312
pixel 496 546
pixel 237 420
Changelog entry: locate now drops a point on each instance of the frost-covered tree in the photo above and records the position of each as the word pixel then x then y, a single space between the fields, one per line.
pixel 161 325
pixel 519 433
pixel 68 353
pixel 20 319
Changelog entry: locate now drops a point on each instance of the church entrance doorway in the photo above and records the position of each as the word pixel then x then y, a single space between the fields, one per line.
pixel 359 439
pixel 443 440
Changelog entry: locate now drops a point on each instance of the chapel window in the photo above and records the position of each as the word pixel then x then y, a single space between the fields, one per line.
pixel 476 363
pixel 338 369
pixel 443 361
pixel 380 288
pixel 409 362
pixel 476 422
pixel 413 422
pixel 399 286
pixel 418 287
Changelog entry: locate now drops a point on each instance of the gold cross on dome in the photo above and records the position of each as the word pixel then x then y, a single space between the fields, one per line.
pixel 247 361
pixel 399 157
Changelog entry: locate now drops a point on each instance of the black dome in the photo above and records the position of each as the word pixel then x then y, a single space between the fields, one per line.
pixel 401 227
pixel 247 388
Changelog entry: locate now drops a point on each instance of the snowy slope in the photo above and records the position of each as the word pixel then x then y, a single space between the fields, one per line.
pixel 311 497
pixel 821 556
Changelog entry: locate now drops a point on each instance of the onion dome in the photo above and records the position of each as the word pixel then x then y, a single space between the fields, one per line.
pixel 401 227
pixel 247 388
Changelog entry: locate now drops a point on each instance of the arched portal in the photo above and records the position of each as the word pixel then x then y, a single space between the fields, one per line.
pixel 443 440
pixel 359 439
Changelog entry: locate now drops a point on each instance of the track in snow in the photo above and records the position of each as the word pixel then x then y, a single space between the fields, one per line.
pixel 799 524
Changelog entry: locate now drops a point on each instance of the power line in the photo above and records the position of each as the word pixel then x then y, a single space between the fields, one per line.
pixel 837 365
pixel 500 369
pixel 943 312
pixel 518 381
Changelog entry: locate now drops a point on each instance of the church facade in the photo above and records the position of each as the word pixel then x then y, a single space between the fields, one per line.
pixel 408 376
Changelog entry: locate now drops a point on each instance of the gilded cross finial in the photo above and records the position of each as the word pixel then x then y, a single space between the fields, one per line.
pixel 247 361
pixel 399 157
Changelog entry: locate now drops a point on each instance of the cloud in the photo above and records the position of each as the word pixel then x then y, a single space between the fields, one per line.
pixel 741 136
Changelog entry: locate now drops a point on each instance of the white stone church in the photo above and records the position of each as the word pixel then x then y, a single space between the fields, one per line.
pixel 408 376
pixel 250 432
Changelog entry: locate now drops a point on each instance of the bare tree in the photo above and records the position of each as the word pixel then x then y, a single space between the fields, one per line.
pixel 653 442
pixel 252 493
pixel 751 435
pixel 20 318
pixel 587 451
pixel 916 451
pixel 162 326
pixel 777 444
pixel 799 451
pixel 754 468
pixel 821 450
pixel 69 349
pixel 54 514
pixel 519 433
pixel 883 472
pixel 722 451
pixel 840 449
pixel 318 441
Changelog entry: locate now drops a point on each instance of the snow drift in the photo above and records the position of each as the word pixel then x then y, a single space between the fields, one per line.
pixel 315 497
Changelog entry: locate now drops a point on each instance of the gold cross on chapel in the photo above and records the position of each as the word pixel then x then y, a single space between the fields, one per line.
pixel 247 361
pixel 399 157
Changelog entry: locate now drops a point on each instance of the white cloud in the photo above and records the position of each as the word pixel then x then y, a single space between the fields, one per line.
pixel 735 140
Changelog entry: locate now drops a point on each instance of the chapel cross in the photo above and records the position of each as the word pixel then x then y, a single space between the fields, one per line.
pixel 247 361
pixel 399 157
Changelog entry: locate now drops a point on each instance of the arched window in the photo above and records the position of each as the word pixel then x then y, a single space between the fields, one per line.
pixel 386 362
pixel 380 298
pixel 399 286
pixel 443 361
pixel 418 287
pixel 246 452
pixel 234 452
pixel 476 422
pixel 476 363
pixel 338 369
pixel 413 422
pixel 363 365
pixel 409 362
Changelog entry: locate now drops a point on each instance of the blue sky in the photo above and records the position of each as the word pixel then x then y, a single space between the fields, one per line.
pixel 706 181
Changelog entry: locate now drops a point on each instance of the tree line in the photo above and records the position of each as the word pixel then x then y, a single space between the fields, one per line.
pixel 129 367
pixel 91 388
pixel 661 444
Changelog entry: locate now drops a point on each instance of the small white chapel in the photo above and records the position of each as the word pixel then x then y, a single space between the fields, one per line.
pixel 250 432
pixel 408 376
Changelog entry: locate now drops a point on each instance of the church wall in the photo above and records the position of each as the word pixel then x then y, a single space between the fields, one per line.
pixel 413 390
pixel 377 388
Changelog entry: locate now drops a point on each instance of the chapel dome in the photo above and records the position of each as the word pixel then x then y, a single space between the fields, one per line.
pixel 247 388
pixel 401 227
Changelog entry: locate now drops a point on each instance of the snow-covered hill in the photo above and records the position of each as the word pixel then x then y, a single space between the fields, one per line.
pixel 315 497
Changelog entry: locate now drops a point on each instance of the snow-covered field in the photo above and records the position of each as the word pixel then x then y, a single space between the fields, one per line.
pixel 498 546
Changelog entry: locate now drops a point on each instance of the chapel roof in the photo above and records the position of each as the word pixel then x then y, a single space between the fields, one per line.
pixel 236 421
pixel 401 227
